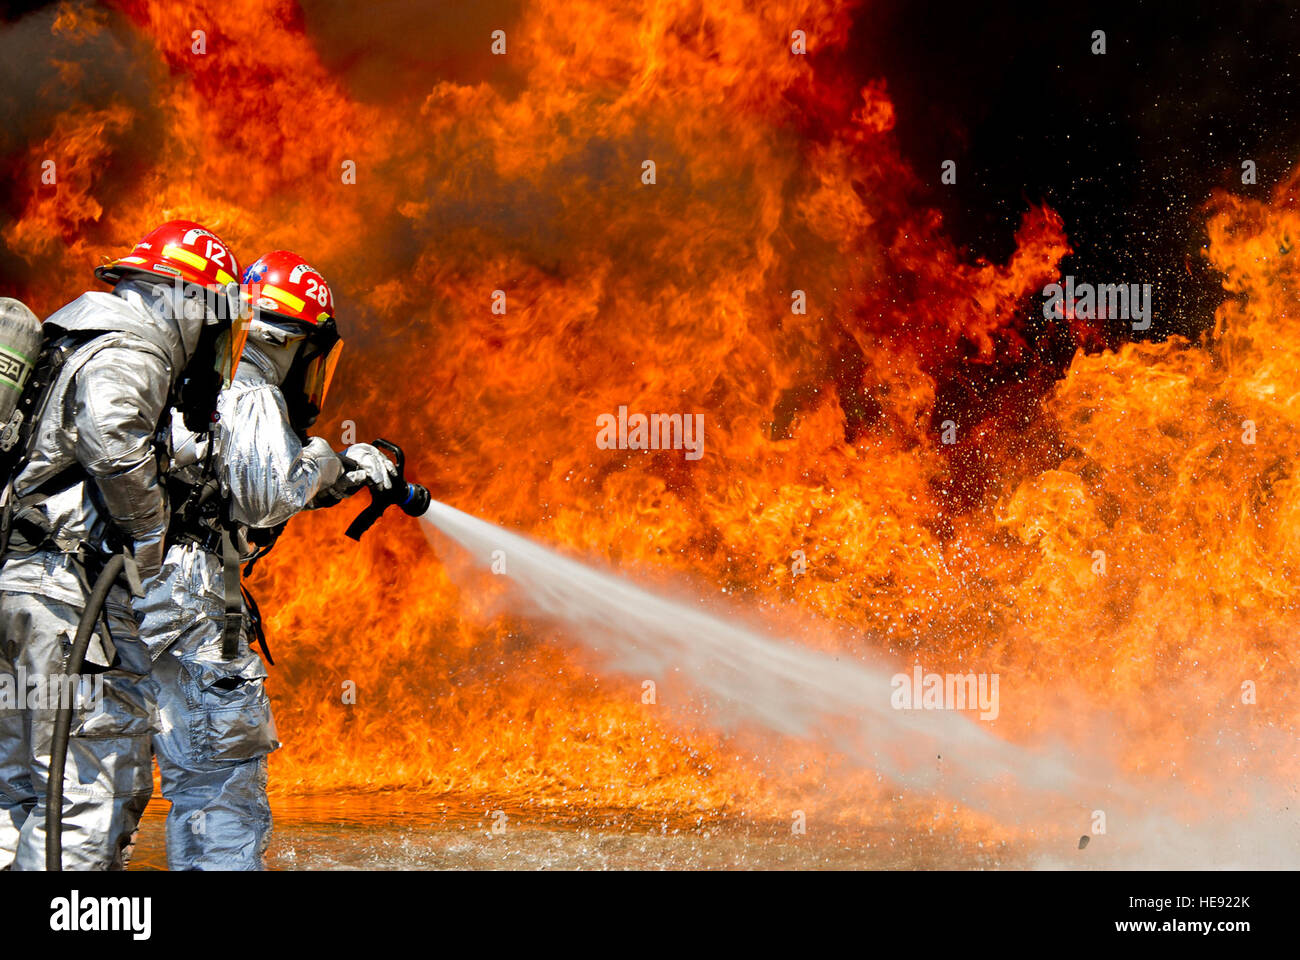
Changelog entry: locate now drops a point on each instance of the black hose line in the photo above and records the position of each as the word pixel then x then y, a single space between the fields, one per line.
pixel 63 718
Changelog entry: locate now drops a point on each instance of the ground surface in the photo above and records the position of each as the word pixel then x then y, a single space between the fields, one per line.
pixel 396 833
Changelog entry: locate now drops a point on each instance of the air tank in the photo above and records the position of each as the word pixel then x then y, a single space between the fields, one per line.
pixel 20 345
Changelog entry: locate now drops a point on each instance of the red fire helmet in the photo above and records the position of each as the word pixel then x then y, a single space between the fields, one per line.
pixel 178 248
pixel 284 283
pixel 285 289
pixel 185 251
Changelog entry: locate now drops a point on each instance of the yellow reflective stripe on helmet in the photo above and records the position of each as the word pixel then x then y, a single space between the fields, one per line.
pixel 285 297
pixel 223 278
pixel 173 252
pixel 322 317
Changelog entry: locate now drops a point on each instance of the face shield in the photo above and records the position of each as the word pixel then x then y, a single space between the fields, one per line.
pixel 226 319
pixel 306 382
pixel 229 345
pixel 319 358
pixel 223 318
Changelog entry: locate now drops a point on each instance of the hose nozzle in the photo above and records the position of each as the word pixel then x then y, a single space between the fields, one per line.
pixel 412 498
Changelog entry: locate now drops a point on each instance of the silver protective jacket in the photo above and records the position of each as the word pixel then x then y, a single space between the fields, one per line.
pixel 265 478
pixel 265 475
pixel 103 416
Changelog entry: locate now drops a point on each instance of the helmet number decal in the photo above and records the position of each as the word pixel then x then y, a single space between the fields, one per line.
pixel 216 253
pixel 318 291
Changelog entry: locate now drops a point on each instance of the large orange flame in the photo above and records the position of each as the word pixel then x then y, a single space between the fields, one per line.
pixel 773 175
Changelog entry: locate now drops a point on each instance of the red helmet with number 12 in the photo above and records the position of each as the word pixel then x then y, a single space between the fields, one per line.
pixel 182 251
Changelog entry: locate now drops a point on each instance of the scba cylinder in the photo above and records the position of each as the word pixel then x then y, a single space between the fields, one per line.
pixel 20 345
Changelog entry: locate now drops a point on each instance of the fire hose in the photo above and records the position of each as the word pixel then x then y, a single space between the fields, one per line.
pixel 411 498
pixel 63 718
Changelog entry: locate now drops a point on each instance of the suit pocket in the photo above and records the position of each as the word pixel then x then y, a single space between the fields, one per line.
pixel 237 719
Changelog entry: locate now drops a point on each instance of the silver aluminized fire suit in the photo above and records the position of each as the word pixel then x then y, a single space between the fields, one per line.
pixel 92 475
pixel 216 728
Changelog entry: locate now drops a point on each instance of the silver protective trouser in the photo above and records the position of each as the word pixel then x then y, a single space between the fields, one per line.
pixel 215 727
pixel 107 779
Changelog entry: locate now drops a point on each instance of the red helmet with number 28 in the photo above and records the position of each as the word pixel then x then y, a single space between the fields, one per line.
pixel 288 291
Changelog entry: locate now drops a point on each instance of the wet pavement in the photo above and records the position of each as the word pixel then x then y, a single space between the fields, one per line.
pixel 394 832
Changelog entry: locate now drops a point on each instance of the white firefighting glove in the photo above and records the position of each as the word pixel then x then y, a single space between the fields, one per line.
pixel 371 467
